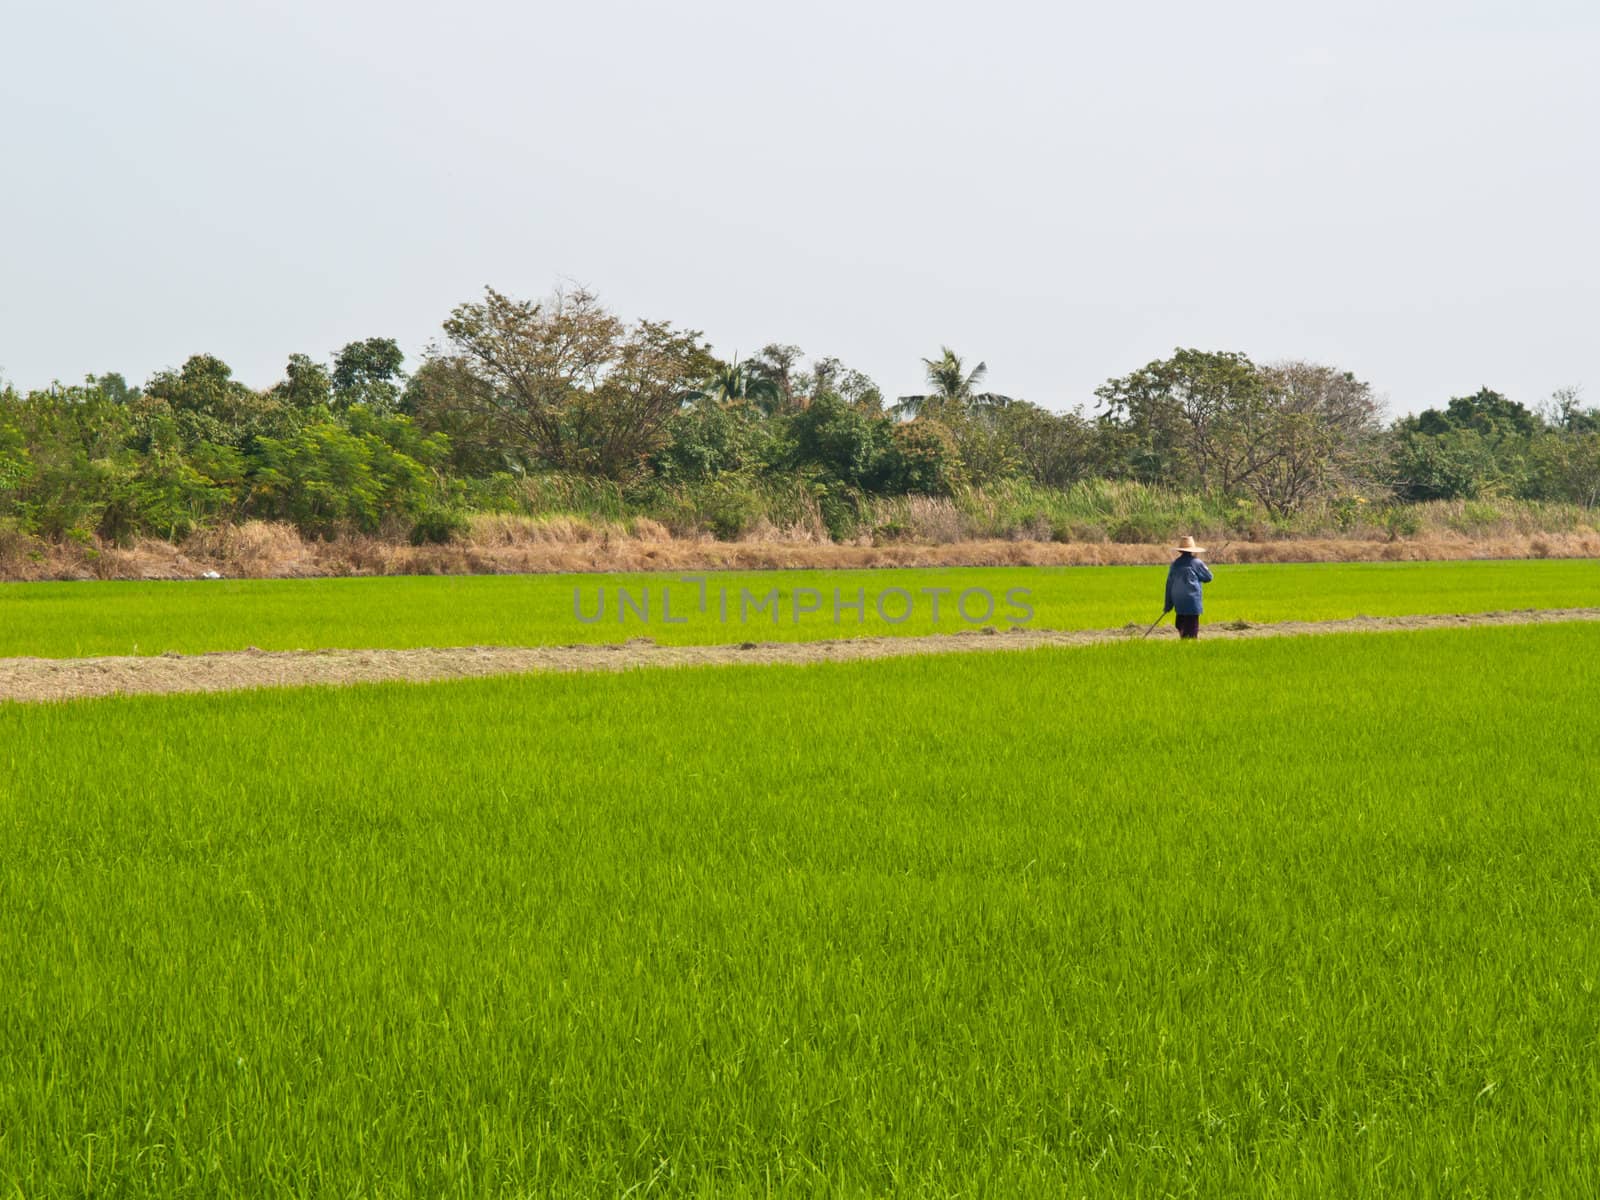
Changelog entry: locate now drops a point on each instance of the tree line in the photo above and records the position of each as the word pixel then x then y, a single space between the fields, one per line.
pixel 518 390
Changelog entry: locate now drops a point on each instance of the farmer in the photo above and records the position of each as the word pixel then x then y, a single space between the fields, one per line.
pixel 1184 578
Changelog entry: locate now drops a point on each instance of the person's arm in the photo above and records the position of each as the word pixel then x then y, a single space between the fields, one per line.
pixel 1168 596
pixel 1203 571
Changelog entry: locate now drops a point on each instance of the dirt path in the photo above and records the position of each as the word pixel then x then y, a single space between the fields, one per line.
pixel 38 679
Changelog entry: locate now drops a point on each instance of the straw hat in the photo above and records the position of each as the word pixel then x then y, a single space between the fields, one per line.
pixel 1187 546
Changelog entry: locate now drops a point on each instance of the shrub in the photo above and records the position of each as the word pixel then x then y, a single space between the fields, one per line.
pixel 167 495
pixel 729 507
pixel 842 510
pixel 1400 522
pixel 326 476
pixel 1144 528
pixel 843 444
pixel 1455 465
pixel 437 525
pixel 710 440
pixel 1347 512
pixel 921 458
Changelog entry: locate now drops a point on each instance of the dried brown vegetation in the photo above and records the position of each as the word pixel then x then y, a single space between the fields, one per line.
pixel 502 544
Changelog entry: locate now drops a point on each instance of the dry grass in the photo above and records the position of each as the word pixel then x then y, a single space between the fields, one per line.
pixel 800 533
pixel 928 520
pixel 255 547
pixel 501 544
pixel 501 530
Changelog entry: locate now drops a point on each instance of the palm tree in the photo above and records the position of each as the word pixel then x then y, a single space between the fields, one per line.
pixel 950 386
pixel 731 382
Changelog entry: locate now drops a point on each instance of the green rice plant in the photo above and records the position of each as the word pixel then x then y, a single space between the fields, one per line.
pixel 1292 917
pixel 74 619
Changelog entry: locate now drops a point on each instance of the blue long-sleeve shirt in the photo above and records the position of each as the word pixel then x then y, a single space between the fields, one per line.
pixel 1184 578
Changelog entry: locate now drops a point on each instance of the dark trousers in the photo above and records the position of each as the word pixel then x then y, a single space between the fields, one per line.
pixel 1189 627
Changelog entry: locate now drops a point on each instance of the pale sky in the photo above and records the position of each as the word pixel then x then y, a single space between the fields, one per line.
pixel 1409 190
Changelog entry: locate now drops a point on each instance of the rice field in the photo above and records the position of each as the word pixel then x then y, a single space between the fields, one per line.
pixel 77 619
pixel 1293 917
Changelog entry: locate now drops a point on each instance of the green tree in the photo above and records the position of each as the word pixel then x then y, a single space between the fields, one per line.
pixel 369 373
pixel 1486 412
pixel 707 441
pixel 1565 466
pixel 441 396
pixel 61 451
pixel 731 383
pixel 114 387
pixel 1477 445
pixel 951 387
pixel 843 443
pixel 828 376
pixel 1565 413
pixel 570 382
pixel 921 458
pixel 779 363
pixel 1053 449
pixel 306 386
pixel 1455 465
pixel 1187 421
pixel 1317 435
pixel 209 405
